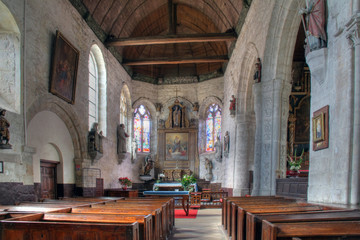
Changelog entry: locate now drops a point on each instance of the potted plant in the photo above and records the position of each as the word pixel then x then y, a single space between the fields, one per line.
pixel 295 163
pixel 125 182
pixel 186 182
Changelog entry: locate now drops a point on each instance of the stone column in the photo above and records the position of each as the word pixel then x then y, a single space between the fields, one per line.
pixel 258 137
pixel 271 123
pixel 243 142
pixel 285 93
pixel 354 40
pixel 356 6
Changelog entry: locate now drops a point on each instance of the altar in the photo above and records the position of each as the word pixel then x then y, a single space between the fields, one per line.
pixel 184 195
pixel 177 142
pixel 172 187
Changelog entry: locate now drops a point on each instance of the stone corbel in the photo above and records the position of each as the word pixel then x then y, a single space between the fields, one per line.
pixel 317 61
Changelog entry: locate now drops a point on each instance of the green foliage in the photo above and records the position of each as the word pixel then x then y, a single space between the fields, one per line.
pixel 186 181
pixel 295 162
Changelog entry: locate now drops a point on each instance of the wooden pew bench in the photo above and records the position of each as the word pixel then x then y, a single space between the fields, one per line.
pixel 240 221
pixel 237 226
pixel 254 221
pixel 33 227
pixel 156 216
pixel 231 207
pixel 132 207
pixel 325 229
pixel 145 221
pixel 227 203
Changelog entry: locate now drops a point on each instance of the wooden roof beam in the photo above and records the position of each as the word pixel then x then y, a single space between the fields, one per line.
pixel 163 61
pixel 170 39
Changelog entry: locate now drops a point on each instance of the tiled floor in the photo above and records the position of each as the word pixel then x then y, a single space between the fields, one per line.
pixel 207 225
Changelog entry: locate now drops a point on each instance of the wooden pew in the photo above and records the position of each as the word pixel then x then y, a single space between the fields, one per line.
pixel 227 203
pixel 156 216
pixel 254 221
pixel 31 227
pixel 132 207
pixel 231 210
pixel 240 221
pixel 145 221
pixel 274 231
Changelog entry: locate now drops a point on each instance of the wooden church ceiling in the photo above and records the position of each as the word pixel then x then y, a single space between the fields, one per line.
pixel 162 39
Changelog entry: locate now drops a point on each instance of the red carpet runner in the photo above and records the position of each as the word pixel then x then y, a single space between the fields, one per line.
pixel 180 213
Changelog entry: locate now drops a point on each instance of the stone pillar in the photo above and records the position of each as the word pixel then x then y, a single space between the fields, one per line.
pixel 354 40
pixel 258 137
pixel 356 6
pixel 243 142
pixel 285 94
pixel 271 109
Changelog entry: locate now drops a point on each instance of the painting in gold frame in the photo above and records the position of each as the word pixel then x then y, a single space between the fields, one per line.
pixel 64 69
pixel 320 128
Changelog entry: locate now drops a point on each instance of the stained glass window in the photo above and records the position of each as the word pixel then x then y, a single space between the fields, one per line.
pixel 142 128
pixel 213 126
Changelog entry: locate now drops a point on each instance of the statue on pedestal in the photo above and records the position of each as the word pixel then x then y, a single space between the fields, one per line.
pixel 95 147
pixel 218 149
pixel 208 167
pixel 232 107
pixel 226 144
pixel 121 139
pixel 4 131
pixel 314 24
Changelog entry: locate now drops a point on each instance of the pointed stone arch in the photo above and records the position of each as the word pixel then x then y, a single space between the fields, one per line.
pixel 272 97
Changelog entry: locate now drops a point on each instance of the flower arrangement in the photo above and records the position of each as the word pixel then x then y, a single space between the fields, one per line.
pixel 125 181
pixel 295 162
pixel 186 181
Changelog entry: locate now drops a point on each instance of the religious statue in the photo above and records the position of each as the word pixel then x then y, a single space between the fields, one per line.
pixel 121 138
pixel 196 107
pixel 218 149
pixel 314 24
pixel 232 107
pixel 149 164
pixel 134 147
pixel 176 116
pixel 226 144
pixel 158 107
pixel 95 139
pixel 257 74
pixel 208 167
pixel 4 131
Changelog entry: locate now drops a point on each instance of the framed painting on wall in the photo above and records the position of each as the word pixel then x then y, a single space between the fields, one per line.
pixel 64 69
pixel 177 146
pixel 320 128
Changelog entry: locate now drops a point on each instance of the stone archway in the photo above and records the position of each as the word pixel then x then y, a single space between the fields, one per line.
pixel 272 97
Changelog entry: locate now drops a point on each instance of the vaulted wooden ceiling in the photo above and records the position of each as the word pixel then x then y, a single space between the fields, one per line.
pixel 163 39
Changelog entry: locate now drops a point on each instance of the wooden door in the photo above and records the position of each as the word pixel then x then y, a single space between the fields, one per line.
pixel 48 179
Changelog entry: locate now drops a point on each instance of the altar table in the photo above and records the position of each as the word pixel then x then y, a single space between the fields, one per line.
pixel 183 194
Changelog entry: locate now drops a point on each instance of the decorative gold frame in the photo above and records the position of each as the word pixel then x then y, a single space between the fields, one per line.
pixel 320 128
pixel 64 69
